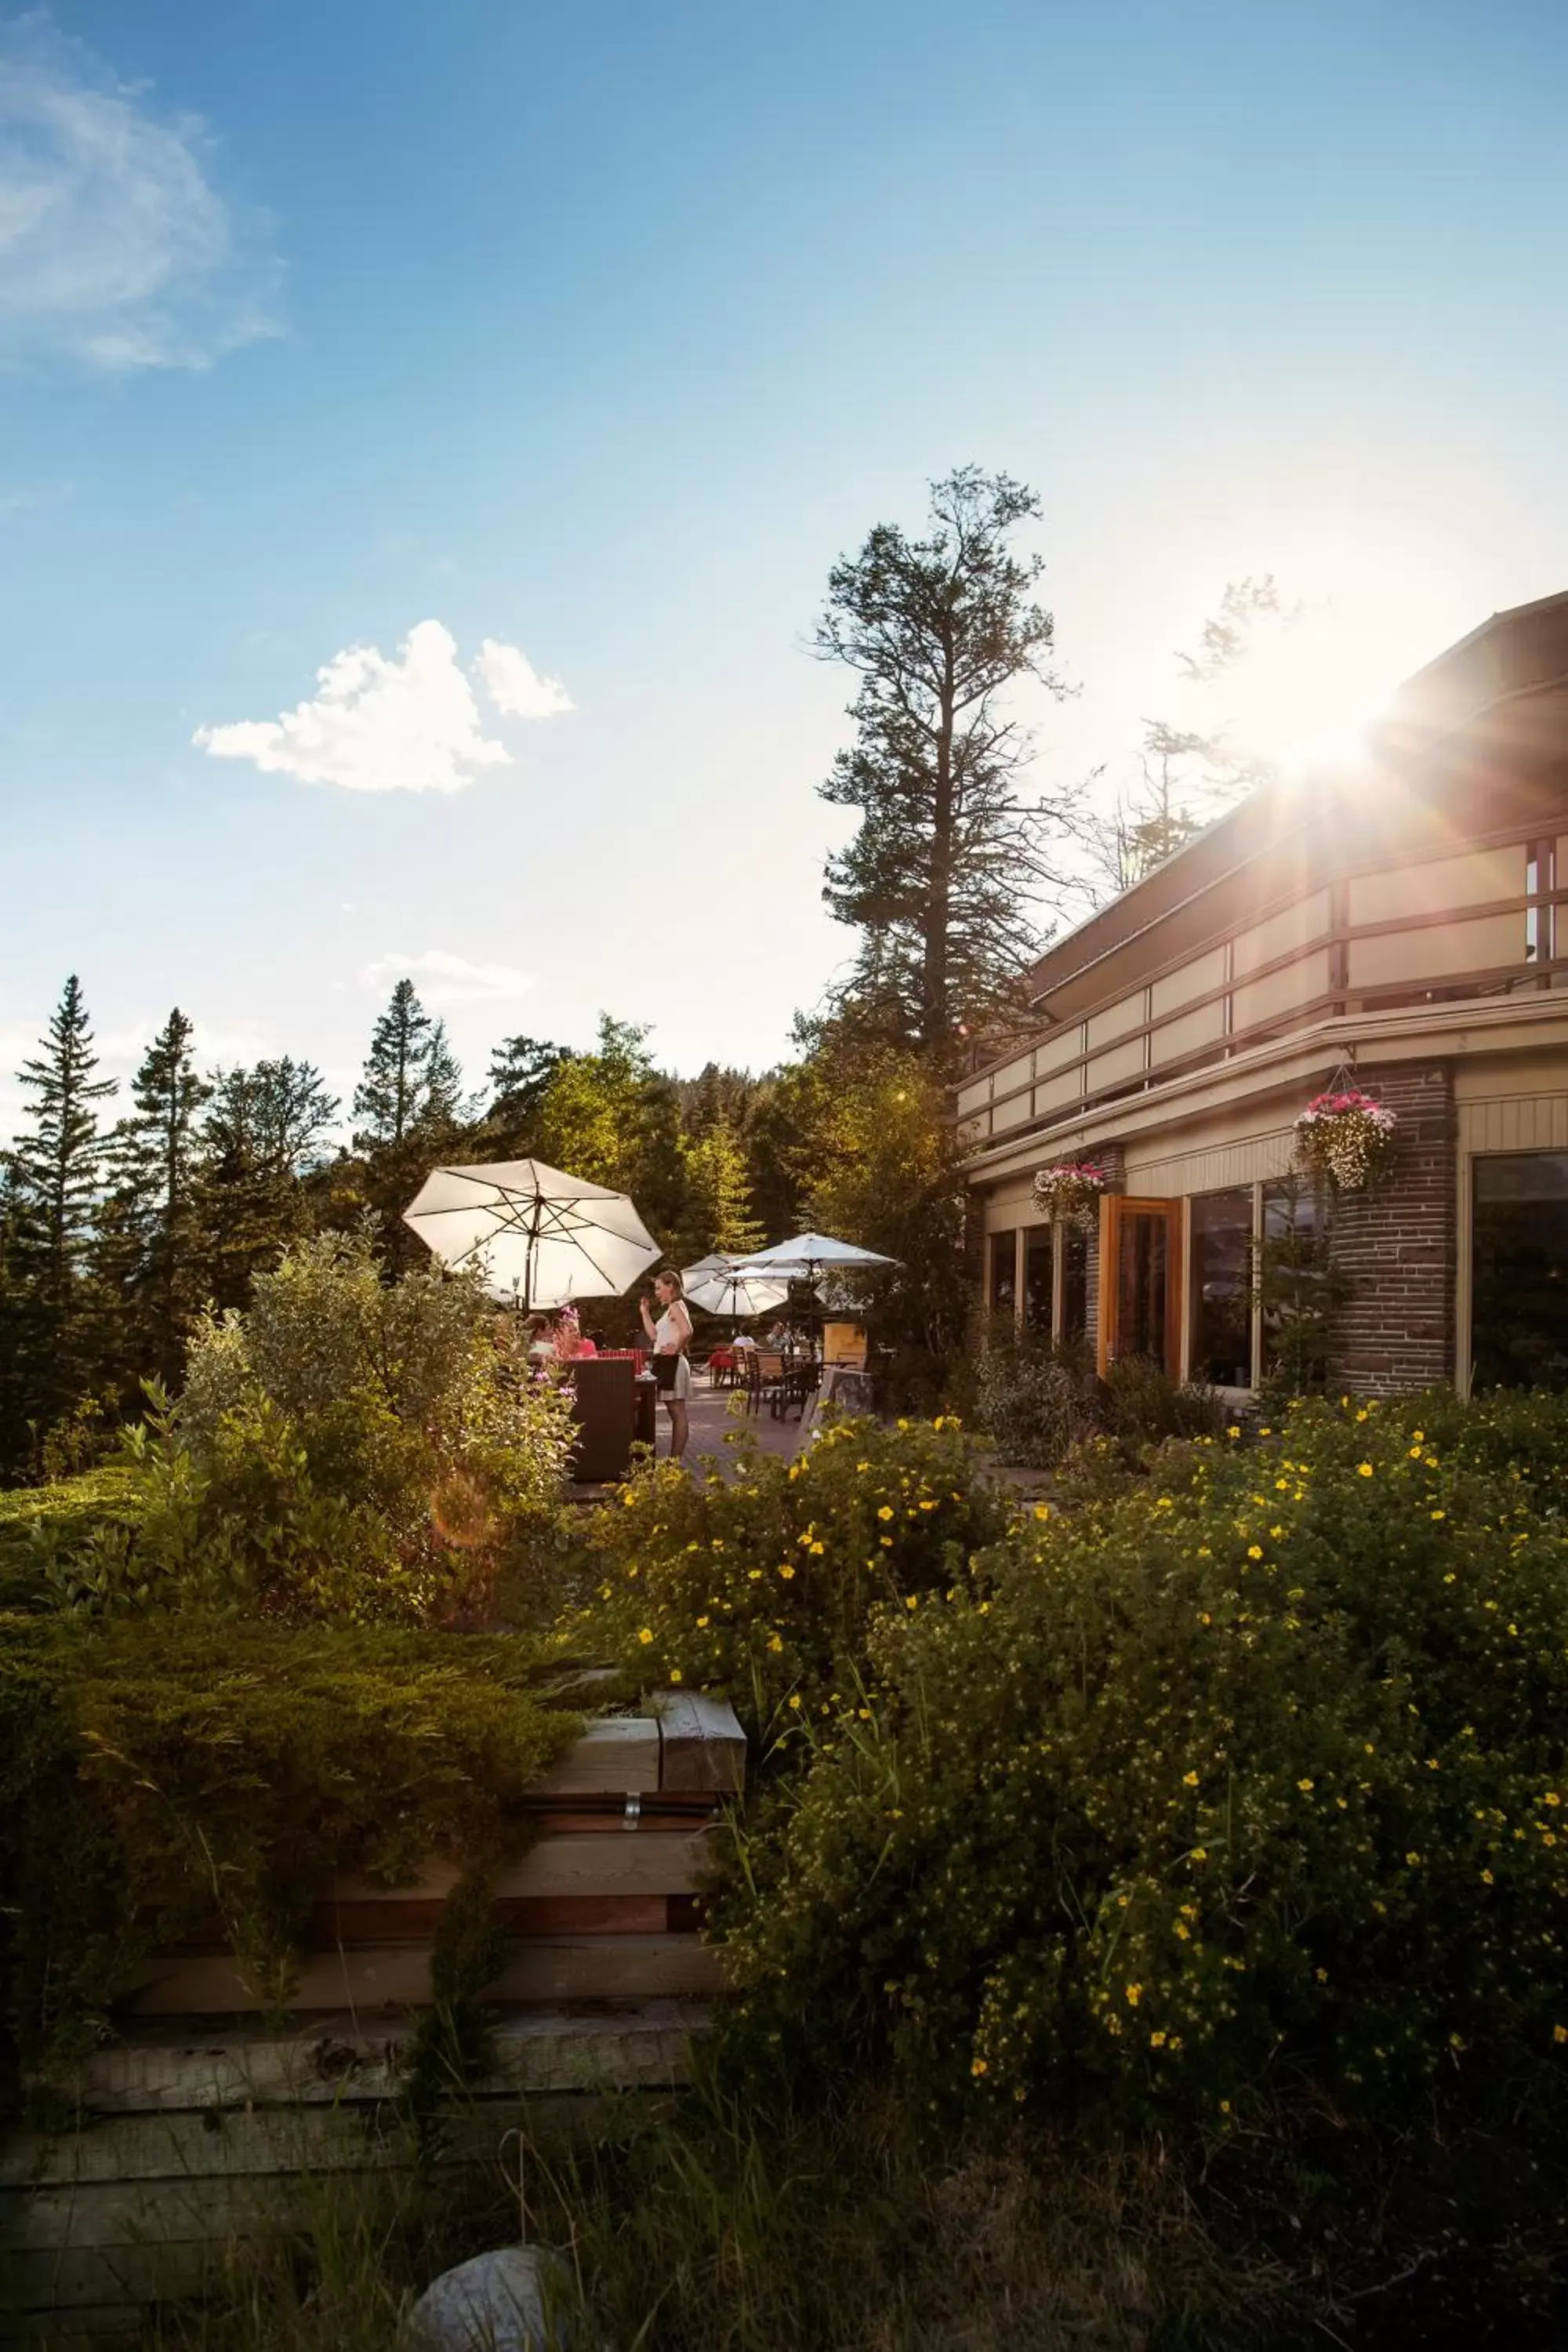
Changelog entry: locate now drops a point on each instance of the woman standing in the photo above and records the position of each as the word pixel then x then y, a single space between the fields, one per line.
pixel 671 1337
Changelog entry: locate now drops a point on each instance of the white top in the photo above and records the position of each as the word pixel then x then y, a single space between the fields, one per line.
pixel 669 1338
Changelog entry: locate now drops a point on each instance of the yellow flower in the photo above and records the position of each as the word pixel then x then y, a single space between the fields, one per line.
pixel 1487 1878
pixel 675 1674
pixel 1439 1515
pixel 1412 1859
pixel 786 1572
pixel 776 1644
pixel 1042 1510
pixel 1157 2039
pixel 885 1511
pixel 700 1622
pixel 1560 2033
pixel 911 1600
pixel 1134 1995
pixel 1200 1854
pixel 1306 1787
pixel 1189 1779
pixel 1363 1470
pixel 1233 1431
pixel 978 2067
pixel 646 1634
pixel 1255 1552
pixel 794 1698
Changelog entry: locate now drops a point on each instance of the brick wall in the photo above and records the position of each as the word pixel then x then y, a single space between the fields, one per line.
pixel 1111 1158
pixel 1398 1244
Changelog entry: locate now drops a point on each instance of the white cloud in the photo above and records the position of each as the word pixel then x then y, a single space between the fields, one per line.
pixel 515 687
pixel 407 724
pixel 116 250
pixel 444 979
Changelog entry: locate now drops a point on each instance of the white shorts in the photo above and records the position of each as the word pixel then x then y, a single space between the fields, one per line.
pixel 682 1388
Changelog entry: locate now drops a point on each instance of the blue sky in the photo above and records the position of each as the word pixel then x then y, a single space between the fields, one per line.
pixel 592 333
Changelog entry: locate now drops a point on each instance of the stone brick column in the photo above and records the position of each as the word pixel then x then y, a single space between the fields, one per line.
pixel 1398 1244
pixel 1111 1158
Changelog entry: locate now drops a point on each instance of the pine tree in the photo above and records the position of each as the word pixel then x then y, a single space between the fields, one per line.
pixel 265 1131
pixel 718 1215
pixel 939 876
pixel 148 1227
pixel 411 1078
pixel 56 1184
pixel 612 1117
pixel 520 1075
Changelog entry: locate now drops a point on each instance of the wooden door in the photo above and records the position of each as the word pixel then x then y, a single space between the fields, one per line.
pixel 1141 1281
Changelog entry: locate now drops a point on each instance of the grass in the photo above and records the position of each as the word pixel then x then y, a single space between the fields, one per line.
pixel 718 2229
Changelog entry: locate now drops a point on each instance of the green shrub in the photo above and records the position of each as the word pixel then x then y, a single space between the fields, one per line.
pixel 1246 1783
pixel 158 1775
pixel 760 1585
pixel 346 1449
pixel 1035 1400
pixel 40 1523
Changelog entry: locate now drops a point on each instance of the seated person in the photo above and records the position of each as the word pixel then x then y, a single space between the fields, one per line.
pixel 571 1340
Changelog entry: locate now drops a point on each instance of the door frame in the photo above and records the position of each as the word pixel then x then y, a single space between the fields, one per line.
pixel 1115 1208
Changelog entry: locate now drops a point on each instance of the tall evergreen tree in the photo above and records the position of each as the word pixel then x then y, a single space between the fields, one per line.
pixel 719 1213
pixel 411 1077
pixel 265 1131
pixel 519 1074
pixel 938 878
pixel 56 1184
pixel 612 1117
pixel 149 1225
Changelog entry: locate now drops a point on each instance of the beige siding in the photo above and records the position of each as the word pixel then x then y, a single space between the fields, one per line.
pixel 1541 1073
pixel 1198 978
pixel 1517 1123
pixel 1111 1069
pixel 1052 1092
pixel 1282 992
pixel 1428 954
pixel 1188 1033
pixel 974 1097
pixel 1013 1075
pixel 1061 1045
pixel 1210 1168
pixel 1283 933
pixel 1115 1020
pixel 1473 880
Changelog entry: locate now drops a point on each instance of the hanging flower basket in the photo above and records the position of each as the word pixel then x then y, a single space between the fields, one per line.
pixel 1070 1192
pixel 1345 1139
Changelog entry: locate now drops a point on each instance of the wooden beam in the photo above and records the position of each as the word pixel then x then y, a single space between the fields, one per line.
pixel 397 1976
pixel 702 1745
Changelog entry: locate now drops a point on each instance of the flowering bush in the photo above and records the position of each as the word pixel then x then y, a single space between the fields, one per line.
pixel 760 1586
pixel 1069 1190
pixel 346 1448
pixel 1254 1777
pixel 1345 1139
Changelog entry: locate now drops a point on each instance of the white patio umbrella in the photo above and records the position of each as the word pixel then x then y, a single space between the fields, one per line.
pixel 806 1256
pixel 715 1283
pixel 538 1235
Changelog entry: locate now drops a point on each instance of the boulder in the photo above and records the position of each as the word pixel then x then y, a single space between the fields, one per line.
pixel 517 2299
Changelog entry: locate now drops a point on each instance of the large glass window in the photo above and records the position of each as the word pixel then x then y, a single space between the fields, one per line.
pixel 1003 1273
pixel 1037 1256
pixel 1518 1320
pixel 1075 1283
pixel 1221 1288
pixel 1295 1280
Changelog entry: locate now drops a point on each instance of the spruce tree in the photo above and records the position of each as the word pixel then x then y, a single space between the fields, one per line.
pixel 938 878
pixel 55 1189
pixel 718 1215
pixel 265 1131
pixel 411 1078
pixel 520 1071
pixel 149 1222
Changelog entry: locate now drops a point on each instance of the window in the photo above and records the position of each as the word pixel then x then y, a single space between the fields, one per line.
pixel 1003 1273
pixel 1038 1262
pixel 1519 1316
pixel 1221 1288
pixel 1075 1283
pixel 1296 1284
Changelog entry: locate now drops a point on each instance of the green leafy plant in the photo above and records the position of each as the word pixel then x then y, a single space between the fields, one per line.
pixel 159 1777
pixel 1246 1783
pixel 760 1584
pixel 345 1449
